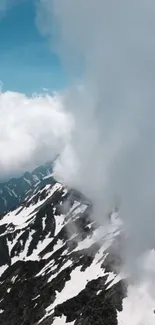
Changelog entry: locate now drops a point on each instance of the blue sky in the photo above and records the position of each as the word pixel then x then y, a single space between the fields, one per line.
pixel 26 61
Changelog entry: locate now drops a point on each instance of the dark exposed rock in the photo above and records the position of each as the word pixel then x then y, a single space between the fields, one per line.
pixel 32 283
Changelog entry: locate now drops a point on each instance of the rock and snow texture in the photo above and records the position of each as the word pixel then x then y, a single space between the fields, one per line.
pixel 14 191
pixel 57 265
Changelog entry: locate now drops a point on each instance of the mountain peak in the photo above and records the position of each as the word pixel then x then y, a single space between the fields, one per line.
pixel 55 263
pixel 14 191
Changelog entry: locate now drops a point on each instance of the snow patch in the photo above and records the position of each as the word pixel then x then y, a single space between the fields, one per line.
pixel 62 321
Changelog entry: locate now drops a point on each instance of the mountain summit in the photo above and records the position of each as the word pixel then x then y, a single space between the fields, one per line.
pixel 58 266
pixel 56 263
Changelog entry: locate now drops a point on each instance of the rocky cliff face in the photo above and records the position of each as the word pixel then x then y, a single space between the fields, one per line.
pixel 13 192
pixel 57 264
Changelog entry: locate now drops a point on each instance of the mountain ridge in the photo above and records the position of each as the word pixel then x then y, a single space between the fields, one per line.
pixel 59 266
pixel 14 191
pixel 54 270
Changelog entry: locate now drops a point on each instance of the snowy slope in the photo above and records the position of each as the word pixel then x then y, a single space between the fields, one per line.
pixel 58 266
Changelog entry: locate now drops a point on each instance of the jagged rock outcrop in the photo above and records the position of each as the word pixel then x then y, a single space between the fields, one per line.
pixel 16 190
pixel 56 263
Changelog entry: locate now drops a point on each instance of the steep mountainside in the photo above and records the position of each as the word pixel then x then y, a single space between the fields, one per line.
pixel 13 192
pixel 58 266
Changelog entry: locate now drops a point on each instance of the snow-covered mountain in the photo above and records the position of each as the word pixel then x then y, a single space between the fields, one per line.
pixel 58 266
pixel 14 191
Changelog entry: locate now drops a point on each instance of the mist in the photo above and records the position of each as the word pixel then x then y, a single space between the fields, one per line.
pixel 111 152
pixel 33 130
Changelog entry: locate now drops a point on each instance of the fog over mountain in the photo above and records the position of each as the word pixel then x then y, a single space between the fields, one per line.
pixel 80 248
pixel 112 152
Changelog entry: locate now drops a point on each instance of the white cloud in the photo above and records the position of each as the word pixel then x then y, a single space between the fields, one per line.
pixel 113 144
pixel 32 130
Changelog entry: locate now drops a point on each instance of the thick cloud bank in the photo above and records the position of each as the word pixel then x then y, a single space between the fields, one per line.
pixel 112 150
pixel 32 131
